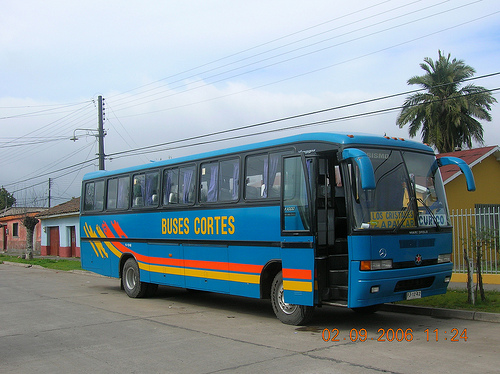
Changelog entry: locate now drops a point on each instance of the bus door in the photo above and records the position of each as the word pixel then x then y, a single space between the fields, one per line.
pixel 331 222
pixel 297 244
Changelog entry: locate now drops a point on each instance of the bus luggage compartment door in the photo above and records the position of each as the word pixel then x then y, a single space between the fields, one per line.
pixel 298 272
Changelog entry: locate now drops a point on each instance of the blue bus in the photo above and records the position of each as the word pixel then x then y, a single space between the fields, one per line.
pixel 309 220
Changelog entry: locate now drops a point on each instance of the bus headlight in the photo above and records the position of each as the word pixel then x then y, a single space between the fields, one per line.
pixel 376 265
pixel 446 257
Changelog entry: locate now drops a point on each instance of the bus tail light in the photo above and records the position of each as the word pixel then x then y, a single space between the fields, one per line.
pixel 376 265
pixel 446 257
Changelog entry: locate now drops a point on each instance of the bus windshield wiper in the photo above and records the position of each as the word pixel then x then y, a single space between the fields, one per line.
pixel 405 215
pixel 430 212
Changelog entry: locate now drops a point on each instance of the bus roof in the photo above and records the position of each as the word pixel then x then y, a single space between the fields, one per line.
pixel 344 139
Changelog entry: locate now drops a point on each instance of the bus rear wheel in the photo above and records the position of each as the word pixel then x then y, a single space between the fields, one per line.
pixel 290 314
pixel 131 281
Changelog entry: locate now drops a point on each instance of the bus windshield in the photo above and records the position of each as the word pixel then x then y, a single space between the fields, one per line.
pixel 409 192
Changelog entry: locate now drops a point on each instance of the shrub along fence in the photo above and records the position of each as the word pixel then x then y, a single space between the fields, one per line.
pixel 469 225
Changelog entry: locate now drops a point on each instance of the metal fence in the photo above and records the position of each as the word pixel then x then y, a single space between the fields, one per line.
pixel 468 226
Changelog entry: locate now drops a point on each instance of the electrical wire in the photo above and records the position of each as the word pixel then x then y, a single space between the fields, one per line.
pixel 251 49
pixel 300 56
pixel 246 127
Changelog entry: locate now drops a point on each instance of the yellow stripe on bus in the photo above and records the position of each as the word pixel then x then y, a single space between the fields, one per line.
pixel 297 286
pixel 113 249
pixel 161 269
pixel 219 275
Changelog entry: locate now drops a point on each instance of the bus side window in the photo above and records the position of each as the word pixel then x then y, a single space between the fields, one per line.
pixel 229 180
pixel 112 193
pixel 123 192
pixel 138 190
pixel 273 191
pixel 89 196
pixel 209 182
pixel 171 186
pixel 255 177
pixel 118 193
pixel 187 185
pixel 94 196
pixel 152 184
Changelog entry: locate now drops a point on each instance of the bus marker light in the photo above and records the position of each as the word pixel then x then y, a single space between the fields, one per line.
pixel 447 279
pixel 366 265
pixel 374 289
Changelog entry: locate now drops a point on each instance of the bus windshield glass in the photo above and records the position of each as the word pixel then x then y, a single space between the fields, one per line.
pixel 409 192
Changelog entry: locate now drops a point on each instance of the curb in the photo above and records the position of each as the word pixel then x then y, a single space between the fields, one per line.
pixel 27 266
pixel 442 313
pixel 21 265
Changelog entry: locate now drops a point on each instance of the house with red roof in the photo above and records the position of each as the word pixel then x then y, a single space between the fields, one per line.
pixel 475 210
pixel 485 165
pixel 61 230
pixel 13 234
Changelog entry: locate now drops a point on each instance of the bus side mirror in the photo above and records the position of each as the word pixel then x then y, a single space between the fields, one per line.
pixel 469 177
pixel 365 167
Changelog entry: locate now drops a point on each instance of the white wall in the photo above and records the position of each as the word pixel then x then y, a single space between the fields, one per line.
pixel 64 234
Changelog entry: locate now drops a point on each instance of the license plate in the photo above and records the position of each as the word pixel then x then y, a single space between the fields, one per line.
pixel 413 295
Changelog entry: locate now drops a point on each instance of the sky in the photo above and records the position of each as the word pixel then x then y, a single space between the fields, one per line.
pixel 170 71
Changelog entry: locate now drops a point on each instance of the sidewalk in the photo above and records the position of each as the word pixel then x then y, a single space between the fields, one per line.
pixel 448 313
pixel 463 286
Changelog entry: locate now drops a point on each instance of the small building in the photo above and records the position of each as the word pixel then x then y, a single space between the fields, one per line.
pixel 61 230
pixel 13 233
pixel 485 165
pixel 473 211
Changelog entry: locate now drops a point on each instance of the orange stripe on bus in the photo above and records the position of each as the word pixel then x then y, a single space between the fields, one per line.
pixel 297 274
pixel 107 233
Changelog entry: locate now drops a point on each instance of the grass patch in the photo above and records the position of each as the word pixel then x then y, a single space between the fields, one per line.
pixel 457 299
pixel 49 263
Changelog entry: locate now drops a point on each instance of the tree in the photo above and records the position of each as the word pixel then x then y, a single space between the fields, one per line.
pixel 446 112
pixel 6 199
pixel 479 240
pixel 29 222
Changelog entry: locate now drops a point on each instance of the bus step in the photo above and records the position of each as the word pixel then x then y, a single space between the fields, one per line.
pixel 340 246
pixel 342 303
pixel 337 293
pixel 338 262
pixel 338 277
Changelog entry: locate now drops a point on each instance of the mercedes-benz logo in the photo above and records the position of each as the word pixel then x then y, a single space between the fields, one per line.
pixel 382 252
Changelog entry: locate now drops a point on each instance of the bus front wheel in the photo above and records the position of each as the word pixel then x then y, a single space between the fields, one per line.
pixel 290 314
pixel 131 280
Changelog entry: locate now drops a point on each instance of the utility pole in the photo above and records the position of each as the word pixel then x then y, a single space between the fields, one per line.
pixel 50 185
pixel 100 131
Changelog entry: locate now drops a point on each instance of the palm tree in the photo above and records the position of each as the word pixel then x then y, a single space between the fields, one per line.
pixel 447 113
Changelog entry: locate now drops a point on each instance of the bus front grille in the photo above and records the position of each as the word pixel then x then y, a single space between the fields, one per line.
pixel 413 284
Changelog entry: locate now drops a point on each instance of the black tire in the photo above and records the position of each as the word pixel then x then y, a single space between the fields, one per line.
pixel 290 314
pixel 131 280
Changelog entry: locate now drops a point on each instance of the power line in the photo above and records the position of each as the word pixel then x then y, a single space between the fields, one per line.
pixel 148 149
pixel 53 171
pixel 300 56
pixel 39 112
pixel 298 126
pixel 246 127
pixel 126 102
pixel 252 48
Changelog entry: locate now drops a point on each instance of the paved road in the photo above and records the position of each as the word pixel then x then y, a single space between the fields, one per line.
pixel 55 322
